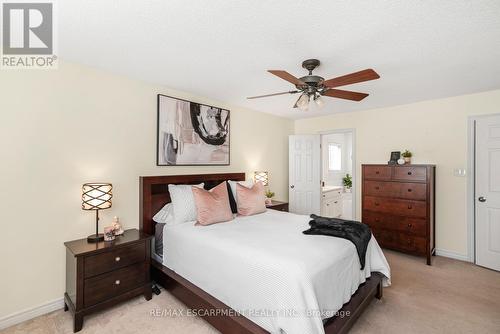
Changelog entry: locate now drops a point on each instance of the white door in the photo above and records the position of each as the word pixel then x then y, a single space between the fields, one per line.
pixel 488 192
pixel 304 174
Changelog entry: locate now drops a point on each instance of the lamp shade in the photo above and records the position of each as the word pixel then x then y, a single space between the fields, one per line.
pixel 96 196
pixel 262 177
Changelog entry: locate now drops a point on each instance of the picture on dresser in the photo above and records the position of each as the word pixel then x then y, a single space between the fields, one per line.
pixel 394 158
pixel 190 133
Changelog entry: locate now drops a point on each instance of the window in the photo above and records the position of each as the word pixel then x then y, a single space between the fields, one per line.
pixel 334 157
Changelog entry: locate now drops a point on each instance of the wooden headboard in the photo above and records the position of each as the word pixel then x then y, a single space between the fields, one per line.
pixel 154 192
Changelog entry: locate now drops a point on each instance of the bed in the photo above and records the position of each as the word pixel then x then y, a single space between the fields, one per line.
pixel 260 274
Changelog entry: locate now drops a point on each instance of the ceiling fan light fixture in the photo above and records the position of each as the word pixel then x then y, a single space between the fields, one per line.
pixel 303 102
pixel 304 107
pixel 319 101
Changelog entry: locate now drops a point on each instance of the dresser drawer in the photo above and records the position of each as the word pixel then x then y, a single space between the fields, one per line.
pixel 377 172
pixel 413 226
pixel 394 206
pixel 114 283
pixel 410 173
pixel 400 241
pixel 413 191
pixel 118 258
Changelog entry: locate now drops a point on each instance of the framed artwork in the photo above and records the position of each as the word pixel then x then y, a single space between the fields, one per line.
pixel 191 134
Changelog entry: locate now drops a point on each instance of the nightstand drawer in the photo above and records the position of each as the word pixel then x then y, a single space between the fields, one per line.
pixel 118 258
pixel 105 286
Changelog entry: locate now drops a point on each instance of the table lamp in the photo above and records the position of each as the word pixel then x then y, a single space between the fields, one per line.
pixel 262 177
pixel 96 196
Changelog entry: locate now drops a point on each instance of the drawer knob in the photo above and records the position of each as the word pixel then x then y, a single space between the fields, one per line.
pixel 117 259
pixel 377 220
pixel 409 241
pixel 335 202
pixel 410 225
pixel 377 188
pixel 409 190
pixel 410 207
pixel 117 282
pixel 377 172
pixel 377 203
pixel 409 173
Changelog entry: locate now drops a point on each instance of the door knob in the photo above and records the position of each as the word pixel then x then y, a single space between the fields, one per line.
pixel 292 186
pixel 482 199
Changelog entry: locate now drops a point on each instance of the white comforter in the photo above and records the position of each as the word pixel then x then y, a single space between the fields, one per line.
pixel 264 267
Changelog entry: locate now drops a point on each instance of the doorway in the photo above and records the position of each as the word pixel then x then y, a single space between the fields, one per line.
pixel 484 195
pixel 337 174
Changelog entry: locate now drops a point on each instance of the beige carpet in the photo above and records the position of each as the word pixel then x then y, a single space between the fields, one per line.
pixel 449 297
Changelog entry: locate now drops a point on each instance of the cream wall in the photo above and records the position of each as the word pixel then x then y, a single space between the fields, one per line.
pixel 436 132
pixel 61 128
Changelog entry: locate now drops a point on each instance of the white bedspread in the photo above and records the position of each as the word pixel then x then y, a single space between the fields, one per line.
pixel 264 267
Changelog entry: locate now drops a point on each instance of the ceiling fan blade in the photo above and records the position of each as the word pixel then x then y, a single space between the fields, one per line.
pixel 345 94
pixel 288 77
pixel 365 75
pixel 283 93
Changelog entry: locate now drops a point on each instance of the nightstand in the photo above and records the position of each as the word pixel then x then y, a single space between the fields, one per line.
pixel 99 275
pixel 277 205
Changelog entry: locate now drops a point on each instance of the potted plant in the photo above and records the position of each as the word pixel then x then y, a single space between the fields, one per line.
pixel 347 181
pixel 407 156
pixel 269 196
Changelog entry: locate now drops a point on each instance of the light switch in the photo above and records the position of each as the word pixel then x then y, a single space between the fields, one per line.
pixel 460 172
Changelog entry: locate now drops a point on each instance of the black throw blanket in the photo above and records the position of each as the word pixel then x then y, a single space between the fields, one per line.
pixel 358 233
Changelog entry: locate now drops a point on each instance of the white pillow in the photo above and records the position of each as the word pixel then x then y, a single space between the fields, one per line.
pixel 232 184
pixel 183 202
pixel 165 215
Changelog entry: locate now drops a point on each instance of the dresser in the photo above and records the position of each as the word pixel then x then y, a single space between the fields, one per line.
pixel 398 204
pixel 99 275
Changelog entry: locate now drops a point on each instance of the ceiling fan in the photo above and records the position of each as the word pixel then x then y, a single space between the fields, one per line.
pixel 313 86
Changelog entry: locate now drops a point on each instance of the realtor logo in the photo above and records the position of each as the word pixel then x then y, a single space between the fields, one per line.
pixel 28 35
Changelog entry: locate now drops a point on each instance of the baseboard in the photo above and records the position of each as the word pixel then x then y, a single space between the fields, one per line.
pixel 31 313
pixel 452 255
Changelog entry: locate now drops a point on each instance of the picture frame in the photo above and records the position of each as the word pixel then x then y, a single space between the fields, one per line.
pixel 395 156
pixel 191 134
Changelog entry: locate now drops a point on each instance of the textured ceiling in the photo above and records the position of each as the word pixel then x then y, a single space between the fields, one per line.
pixel 422 49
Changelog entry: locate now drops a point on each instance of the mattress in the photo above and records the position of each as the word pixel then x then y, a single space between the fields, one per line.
pixel 264 267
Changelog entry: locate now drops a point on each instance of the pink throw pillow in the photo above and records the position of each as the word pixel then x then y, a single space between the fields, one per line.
pixel 212 206
pixel 251 201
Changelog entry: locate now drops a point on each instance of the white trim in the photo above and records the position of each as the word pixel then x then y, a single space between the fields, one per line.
pixel 471 232
pixel 30 313
pixel 452 255
pixel 354 161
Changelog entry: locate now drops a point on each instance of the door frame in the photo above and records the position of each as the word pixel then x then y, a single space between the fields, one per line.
pixel 471 184
pixel 354 160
